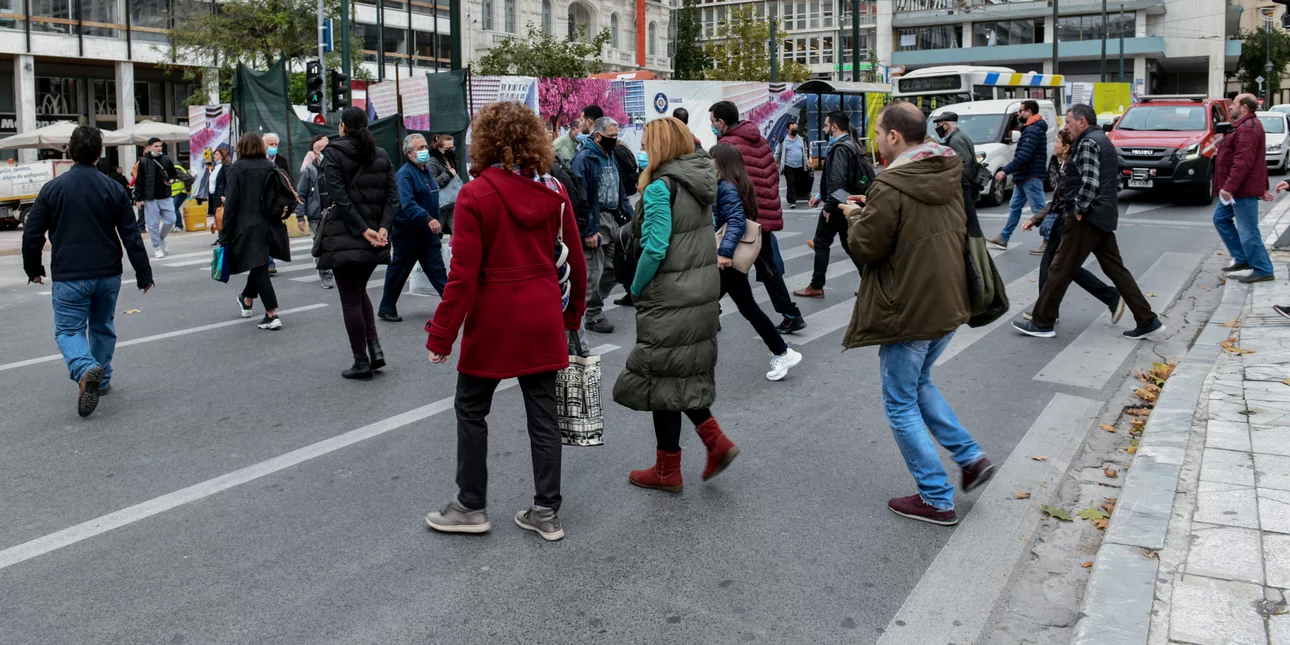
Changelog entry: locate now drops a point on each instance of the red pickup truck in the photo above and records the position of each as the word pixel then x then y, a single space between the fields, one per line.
pixel 1168 143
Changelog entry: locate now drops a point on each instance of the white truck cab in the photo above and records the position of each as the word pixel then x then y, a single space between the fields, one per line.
pixel 992 127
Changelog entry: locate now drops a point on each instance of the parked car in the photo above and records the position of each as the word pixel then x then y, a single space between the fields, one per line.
pixel 992 126
pixel 1276 128
pixel 1168 143
pixel 1283 107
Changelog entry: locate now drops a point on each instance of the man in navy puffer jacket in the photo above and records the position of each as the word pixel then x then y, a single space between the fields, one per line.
pixel 1029 169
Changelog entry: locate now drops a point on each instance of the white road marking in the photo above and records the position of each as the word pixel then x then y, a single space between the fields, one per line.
pixel 126 516
pixel 169 334
pixel 1022 292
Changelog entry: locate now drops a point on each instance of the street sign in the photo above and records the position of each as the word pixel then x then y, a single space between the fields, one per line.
pixel 1259 80
pixel 320 119
pixel 327 36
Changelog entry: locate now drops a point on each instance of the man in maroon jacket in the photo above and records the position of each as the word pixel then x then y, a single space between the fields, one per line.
pixel 1240 180
pixel 760 162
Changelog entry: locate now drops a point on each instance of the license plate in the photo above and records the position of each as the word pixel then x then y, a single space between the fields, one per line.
pixel 1139 183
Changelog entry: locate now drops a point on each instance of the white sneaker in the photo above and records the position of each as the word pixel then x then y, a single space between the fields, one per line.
pixel 241 305
pixel 779 365
pixel 159 253
pixel 165 247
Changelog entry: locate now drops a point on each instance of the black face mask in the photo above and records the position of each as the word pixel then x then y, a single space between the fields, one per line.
pixel 792 131
pixel 942 131
pixel 608 143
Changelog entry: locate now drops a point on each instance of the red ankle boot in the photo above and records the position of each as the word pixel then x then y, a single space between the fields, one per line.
pixel 664 475
pixel 721 450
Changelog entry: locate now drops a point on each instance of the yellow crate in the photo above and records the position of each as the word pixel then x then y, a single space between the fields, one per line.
pixel 194 216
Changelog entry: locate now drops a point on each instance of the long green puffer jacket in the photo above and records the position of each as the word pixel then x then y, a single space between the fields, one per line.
pixel 672 366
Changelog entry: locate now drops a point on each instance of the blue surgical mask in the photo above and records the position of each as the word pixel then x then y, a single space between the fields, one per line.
pixel 716 131
pixel 423 156
pixel 582 137
pixel 642 159
pixel 273 151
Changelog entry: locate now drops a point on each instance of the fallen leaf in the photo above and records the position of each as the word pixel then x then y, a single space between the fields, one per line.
pixel 1107 427
pixel 1160 372
pixel 1040 458
pixel 1151 554
pixel 1032 279
pixel 1092 513
pixel 1287 381
pixel 1229 346
pixel 1231 324
pixel 130 311
pixel 1021 494
pixel 1111 472
pixel 1138 412
pixel 1100 524
pixel 1140 424
pixel 1149 394
pixel 1108 507
pixel 1059 513
pixel 1220 252
pixel 1087 565
pixel 1133 447
pixel 1043 484
pixel 1151 295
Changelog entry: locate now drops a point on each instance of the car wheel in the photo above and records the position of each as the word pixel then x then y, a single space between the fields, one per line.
pixel 1050 183
pixel 1205 195
pixel 995 195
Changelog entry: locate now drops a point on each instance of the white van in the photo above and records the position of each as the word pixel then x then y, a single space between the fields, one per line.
pixel 992 127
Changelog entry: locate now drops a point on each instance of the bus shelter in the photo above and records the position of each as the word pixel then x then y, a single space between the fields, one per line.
pixel 864 99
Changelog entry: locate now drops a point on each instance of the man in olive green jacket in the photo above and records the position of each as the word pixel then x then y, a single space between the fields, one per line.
pixel 910 235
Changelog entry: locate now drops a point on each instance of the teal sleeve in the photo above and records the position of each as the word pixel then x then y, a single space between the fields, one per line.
pixel 656 230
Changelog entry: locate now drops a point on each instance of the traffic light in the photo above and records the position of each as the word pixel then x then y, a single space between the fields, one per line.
pixel 339 91
pixel 314 86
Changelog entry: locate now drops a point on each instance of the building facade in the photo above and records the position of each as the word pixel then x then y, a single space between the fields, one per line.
pixel 1169 47
pixel 816 33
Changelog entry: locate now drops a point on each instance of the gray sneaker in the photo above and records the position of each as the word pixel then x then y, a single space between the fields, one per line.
pixel 541 520
pixel 455 518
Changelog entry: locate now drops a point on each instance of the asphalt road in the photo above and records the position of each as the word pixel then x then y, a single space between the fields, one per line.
pixel 234 489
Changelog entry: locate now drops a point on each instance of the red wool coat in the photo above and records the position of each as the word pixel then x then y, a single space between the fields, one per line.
pixel 502 283
pixel 1240 168
pixel 760 162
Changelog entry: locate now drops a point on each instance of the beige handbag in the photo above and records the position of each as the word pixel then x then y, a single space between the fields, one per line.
pixel 747 250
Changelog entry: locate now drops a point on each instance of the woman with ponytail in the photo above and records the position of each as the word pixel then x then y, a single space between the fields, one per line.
pixel 355 231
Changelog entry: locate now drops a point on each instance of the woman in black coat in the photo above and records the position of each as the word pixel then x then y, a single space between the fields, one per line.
pixel 354 237
pixel 250 235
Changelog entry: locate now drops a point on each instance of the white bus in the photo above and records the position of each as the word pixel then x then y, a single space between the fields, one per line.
pixel 935 87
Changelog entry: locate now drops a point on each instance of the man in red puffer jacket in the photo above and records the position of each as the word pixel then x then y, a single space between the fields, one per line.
pixel 760 162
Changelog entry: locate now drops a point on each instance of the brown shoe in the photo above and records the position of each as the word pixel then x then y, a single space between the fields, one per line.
pixel 997 242
pixel 810 244
pixel 1040 250
pixel 809 292
pixel 915 508
pixel 88 397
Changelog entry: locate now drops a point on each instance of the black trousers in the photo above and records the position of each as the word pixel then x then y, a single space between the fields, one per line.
pixel 1083 277
pixel 356 307
pixel 1079 239
pixel 667 427
pixel 798 182
pixel 768 274
pixel 258 285
pixel 474 401
pixel 825 230
pixel 736 284
pixel 411 247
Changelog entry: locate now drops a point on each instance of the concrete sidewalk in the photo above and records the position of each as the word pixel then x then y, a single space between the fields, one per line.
pixel 1198 550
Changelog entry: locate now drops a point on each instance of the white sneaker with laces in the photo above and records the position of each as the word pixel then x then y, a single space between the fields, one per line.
pixel 779 365
pixel 159 253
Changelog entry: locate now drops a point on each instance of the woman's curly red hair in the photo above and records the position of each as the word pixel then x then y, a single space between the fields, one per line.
pixel 510 134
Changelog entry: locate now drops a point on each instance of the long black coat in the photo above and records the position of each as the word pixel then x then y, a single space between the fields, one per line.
pixel 250 236
pixel 365 197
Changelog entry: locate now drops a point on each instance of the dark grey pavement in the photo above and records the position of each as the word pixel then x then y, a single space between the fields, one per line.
pixel 791 545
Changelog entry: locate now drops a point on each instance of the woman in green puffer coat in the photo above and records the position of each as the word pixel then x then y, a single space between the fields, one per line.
pixel 670 371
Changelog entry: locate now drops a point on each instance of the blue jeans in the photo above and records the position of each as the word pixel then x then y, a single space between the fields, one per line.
pixel 412 246
pixel 1238 225
pixel 774 247
pixel 1031 190
pixel 80 306
pixel 914 406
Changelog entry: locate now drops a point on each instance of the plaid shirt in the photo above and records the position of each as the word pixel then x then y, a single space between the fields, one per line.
pixel 1088 163
pixel 545 179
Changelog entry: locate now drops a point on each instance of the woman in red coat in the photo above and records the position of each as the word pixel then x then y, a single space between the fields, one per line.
pixel 503 287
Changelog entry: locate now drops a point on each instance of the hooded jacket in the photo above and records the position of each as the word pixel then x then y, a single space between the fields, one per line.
pixel 911 235
pixel 760 162
pixel 365 197
pixel 1030 161
pixel 249 235
pixel 502 284
pixel 672 366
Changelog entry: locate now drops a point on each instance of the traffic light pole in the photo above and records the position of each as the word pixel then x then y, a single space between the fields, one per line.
pixel 322 56
pixel 855 41
pixel 344 39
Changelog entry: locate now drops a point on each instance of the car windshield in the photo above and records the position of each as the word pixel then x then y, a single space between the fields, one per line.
pixel 1164 118
pixel 1273 124
pixel 1280 108
pixel 982 128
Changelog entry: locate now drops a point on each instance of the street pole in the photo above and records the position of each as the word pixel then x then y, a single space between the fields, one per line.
pixel 454 37
pixel 1121 23
pixel 1104 41
pixel 1267 50
pixel 774 50
pixel 322 56
pixel 1054 36
pixel 380 40
pixel 344 39
pixel 855 40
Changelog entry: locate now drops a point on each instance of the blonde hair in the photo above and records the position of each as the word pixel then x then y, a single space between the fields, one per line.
pixel 664 139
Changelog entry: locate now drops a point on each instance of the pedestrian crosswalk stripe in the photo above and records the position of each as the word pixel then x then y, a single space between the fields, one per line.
pixel 1097 353
pixel 1021 294
pixel 822 323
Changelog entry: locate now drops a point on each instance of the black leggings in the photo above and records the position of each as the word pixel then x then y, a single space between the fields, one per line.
pixel 259 285
pixel 356 307
pixel 667 426
pixel 736 284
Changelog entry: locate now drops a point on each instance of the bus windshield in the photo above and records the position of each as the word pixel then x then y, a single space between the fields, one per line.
pixel 929 102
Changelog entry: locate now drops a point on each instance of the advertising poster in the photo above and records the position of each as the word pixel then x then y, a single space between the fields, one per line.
pixel 383 99
pixel 415 92
pixel 208 129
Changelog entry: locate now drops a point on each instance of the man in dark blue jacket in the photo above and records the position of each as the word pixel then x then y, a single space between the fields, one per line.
pixel 601 175
pixel 1029 169
pixel 417 234
pixel 88 219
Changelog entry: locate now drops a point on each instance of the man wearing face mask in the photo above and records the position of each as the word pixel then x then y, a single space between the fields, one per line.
pixel 418 232
pixel 1029 169
pixel 794 159
pixel 947 128
pixel 567 147
pixel 599 172
pixel 152 192
pixel 271 147
pixel 443 167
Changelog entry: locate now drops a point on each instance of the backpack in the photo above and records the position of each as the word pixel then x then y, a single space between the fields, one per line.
pixel 629 173
pixel 278 197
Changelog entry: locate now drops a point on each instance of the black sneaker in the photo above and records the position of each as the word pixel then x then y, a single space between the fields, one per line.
pixel 105 389
pixel 88 397
pixel 1150 329
pixel 600 326
pixel 1253 278
pixel 792 324
pixel 390 317
pixel 625 301
pixel 1029 328
pixel 1236 266
pixel 270 323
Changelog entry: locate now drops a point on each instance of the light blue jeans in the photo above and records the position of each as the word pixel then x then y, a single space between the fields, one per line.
pixel 160 216
pixel 914 406
pixel 1031 190
pixel 82 306
pixel 1238 225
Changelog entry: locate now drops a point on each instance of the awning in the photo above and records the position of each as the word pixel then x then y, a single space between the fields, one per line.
pixel 56 135
pixel 142 131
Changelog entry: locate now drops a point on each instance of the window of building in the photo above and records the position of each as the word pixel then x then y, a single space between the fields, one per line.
pixel 923 38
pixel 1073 28
pixel 56 95
pixel 423 52
pixel 104 97
pixel 371 35
pixel 9 9
pixel 652 36
pixel 423 8
pixel 548 21
pixel 509 10
pixel 101 18
pixel 815 14
pixel 486 15
pixel 580 27
pixel 827 51
pixel 52 16
pixel 613 31
pixel 826 19
pixel 1007 32
pixel 396 43
pixel 149 101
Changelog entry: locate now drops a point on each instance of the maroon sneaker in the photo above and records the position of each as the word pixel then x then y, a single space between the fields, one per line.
pixel 915 508
pixel 977 474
